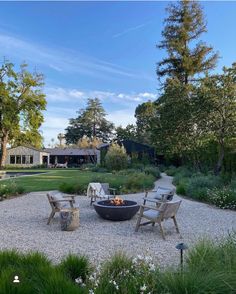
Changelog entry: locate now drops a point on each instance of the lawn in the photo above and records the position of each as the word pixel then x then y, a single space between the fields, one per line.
pixel 52 179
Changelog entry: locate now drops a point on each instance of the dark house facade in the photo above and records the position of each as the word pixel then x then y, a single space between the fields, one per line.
pixel 134 149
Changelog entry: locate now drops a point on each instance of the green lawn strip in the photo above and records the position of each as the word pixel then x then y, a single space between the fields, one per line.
pixel 52 179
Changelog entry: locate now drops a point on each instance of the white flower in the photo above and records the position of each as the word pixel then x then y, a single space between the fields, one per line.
pixel 91 278
pixel 91 291
pixel 151 267
pixel 79 280
pixel 143 288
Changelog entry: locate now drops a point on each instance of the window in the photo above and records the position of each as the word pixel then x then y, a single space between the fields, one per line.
pixel 12 159
pixel 23 159
pixel 18 159
pixel 27 159
pixel 31 159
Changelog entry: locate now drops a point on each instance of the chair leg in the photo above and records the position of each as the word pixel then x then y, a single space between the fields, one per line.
pixel 176 225
pixel 162 231
pixel 138 224
pixel 51 217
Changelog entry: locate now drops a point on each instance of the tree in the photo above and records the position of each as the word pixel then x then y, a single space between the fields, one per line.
pixel 91 122
pixel 89 143
pixel 27 138
pixel 21 105
pixel 127 133
pixel 217 103
pixel 185 58
pixel 144 114
pixel 116 157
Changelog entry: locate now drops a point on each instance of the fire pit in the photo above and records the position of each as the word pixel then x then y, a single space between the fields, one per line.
pixel 116 209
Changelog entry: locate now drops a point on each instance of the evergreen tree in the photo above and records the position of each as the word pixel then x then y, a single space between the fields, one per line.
pixel 91 122
pixel 144 114
pixel 127 133
pixel 185 58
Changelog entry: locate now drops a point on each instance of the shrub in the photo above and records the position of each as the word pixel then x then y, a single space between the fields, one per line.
pixel 127 276
pixel 139 181
pixel 73 267
pixel 171 171
pixel 98 168
pixel 36 275
pixel 152 170
pixel 181 188
pixel 198 186
pixel 10 189
pixel 223 197
pixel 137 166
pixel 70 188
pixel 181 174
pixel 128 171
pixel 116 157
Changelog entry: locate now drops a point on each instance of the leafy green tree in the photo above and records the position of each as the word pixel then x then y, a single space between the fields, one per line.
pixel 127 133
pixel 185 56
pixel 21 104
pixel 116 157
pixel 91 122
pixel 144 114
pixel 217 105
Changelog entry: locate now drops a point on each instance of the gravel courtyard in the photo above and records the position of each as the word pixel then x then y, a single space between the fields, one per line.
pixel 23 227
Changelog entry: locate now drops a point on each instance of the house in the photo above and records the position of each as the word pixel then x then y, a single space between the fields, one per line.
pixel 23 156
pixel 73 156
pixel 26 156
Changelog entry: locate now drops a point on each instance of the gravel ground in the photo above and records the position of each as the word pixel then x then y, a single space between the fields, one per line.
pixel 23 227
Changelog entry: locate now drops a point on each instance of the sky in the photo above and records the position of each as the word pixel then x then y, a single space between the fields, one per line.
pixel 99 49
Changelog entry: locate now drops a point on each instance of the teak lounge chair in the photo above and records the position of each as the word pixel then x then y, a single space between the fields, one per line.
pixel 59 201
pixel 157 213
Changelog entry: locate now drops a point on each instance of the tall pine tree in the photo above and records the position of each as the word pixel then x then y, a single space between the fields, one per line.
pixel 186 57
pixel 91 122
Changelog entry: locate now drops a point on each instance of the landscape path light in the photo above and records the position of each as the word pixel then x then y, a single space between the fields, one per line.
pixel 181 247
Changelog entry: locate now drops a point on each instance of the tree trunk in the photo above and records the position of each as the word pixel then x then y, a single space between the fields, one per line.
pixel 219 164
pixel 3 149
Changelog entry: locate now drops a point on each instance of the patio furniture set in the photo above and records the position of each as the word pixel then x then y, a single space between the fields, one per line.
pixel 158 206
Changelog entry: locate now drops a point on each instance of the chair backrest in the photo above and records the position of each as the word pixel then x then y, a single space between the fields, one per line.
pixel 52 197
pixel 98 189
pixel 169 209
pixel 105 187
pixel 95 189
pixel 165 194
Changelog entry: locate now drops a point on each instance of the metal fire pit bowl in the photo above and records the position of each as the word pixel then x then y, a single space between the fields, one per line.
pixel 116 212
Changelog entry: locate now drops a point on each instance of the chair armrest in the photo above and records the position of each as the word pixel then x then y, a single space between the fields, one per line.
pixel 62 200
pixel 151 200
pixel 149 207
pixel 114 189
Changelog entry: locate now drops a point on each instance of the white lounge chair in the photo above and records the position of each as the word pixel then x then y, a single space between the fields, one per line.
pixel 100 190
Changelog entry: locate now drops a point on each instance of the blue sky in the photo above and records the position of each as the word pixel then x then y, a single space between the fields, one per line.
pixel 99 49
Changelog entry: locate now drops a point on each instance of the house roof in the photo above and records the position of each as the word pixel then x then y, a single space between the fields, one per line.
pixel 29 147
pixel 70 151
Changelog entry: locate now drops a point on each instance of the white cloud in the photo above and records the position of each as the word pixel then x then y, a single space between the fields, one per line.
pixel 122 117
pixel 66 94
pixel 128 30
pixel 63 59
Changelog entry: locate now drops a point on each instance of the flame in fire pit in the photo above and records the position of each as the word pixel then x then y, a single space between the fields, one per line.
pixel 117 201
